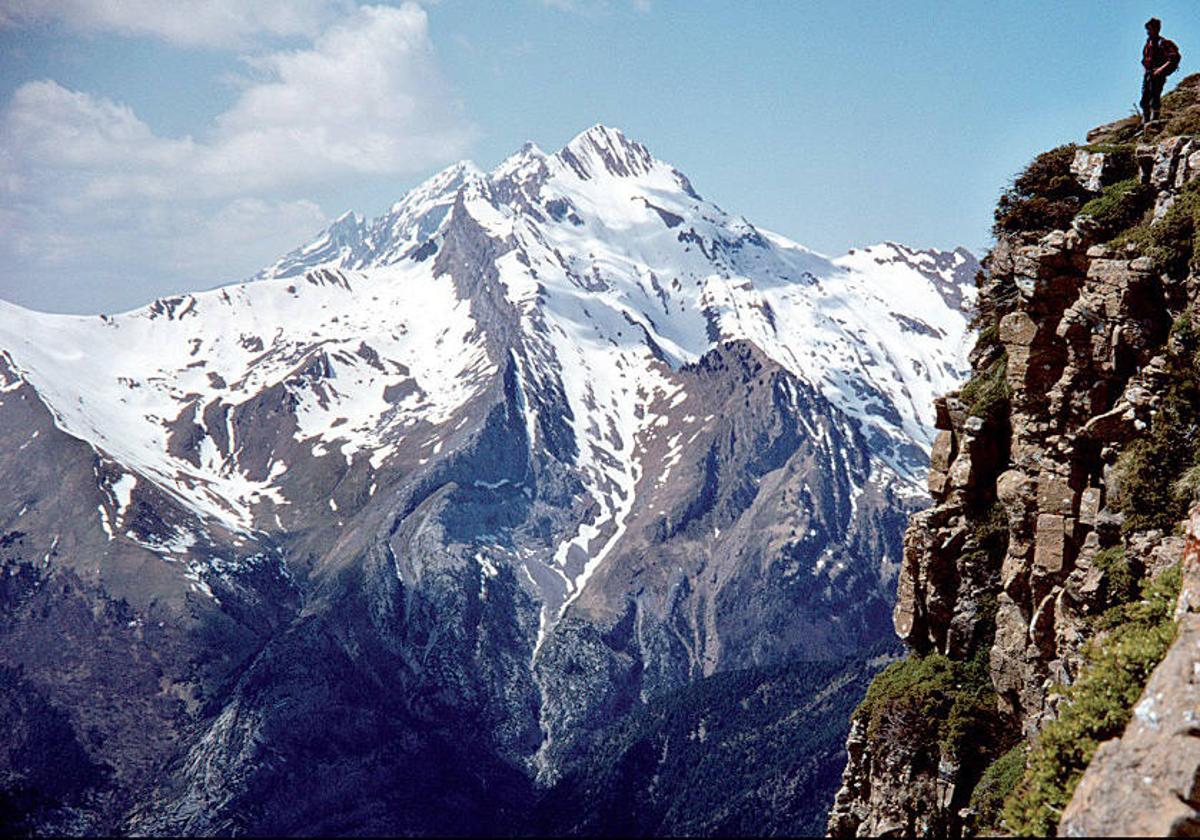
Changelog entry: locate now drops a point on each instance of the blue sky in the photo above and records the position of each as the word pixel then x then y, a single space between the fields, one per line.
pixel 153 147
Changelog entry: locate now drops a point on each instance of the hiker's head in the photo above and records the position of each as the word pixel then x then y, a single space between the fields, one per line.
pixel 1153 26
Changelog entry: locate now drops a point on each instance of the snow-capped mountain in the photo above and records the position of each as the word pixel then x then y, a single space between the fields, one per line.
pixel 603 224
pixel 553 439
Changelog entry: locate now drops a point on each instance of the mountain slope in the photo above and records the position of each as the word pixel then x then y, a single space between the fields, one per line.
pixel 496 468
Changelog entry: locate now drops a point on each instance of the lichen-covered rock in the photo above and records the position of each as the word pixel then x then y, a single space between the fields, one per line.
pixel 1093 170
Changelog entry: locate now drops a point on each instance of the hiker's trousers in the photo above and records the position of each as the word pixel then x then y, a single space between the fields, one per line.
pixel 1152 93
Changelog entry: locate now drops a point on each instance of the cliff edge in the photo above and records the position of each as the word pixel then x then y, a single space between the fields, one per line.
pixel 1042 590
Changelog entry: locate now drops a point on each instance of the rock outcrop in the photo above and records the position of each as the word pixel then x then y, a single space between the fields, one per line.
pixel 1145 784
pixel 1085 339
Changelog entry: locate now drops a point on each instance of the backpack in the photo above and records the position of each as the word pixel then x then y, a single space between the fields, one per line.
pixel 1171 53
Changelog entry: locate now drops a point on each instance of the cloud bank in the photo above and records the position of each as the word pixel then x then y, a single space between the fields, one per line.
pixel 189 23
pixel 86 186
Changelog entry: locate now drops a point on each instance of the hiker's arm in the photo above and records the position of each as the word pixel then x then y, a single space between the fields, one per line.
pixel 1162 71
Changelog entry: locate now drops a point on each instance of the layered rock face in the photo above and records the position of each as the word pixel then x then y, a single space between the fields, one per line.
pixel 1075 361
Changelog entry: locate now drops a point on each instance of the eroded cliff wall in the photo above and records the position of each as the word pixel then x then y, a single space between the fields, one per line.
pixel 1038 592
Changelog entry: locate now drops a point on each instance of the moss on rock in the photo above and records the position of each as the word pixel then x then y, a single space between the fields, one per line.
pixel 987 392
pixel 1120 206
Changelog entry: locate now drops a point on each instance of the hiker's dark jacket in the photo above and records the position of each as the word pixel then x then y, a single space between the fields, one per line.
pixel 1159 51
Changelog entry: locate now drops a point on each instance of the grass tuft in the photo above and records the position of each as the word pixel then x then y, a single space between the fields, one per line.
pixel 987 392
pixel 1121 206
pixel 1150 492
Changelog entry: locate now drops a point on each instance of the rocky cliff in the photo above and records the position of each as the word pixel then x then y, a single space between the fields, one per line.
pixel 1039 592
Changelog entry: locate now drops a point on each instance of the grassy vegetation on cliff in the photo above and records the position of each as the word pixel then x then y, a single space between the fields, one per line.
pixel 994 787
pixel 1150 493
pixel 1097 707
pixel 987 391
pixel 1042 198
pixel 933 702
pixel 1172 241
pixel 1121 206
pixel 1120 583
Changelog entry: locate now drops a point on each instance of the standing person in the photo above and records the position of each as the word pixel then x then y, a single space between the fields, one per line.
pixel 1160 58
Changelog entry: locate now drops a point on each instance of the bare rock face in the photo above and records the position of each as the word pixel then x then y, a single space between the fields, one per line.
pixel 903 792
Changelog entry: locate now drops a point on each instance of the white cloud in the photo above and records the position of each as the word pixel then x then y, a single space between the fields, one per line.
pixel 367 98
pixel 594 6
pixel 86 185
pixel 192 23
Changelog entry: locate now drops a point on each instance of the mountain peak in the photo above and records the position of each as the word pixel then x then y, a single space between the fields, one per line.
pixel 605 150
pixel 529 155
pixel 346 222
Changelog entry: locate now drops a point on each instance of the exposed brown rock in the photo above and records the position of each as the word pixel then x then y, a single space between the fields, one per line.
pixel 1147 782
pixel 943 452
pixel 1085 329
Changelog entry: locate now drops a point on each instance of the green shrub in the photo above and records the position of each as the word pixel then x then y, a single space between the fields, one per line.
pixel 1172 241
pixel 1151 493
pixel 933 700
pixel 973 725
pixel 908 699
pixel 989 531
pixel 995 785
pixel 1044 197
pixel 987 338
pixel 987 392
pixel 1097 707
pixel 1120 206
pixel 1124 150
pixel 1119 581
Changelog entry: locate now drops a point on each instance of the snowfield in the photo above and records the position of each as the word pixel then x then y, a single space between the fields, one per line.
pixel 616 272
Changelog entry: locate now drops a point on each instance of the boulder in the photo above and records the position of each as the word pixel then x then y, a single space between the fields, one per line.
pixel 1018 328
pixel 1089 169
pixel 1166 161
pixel 943 452
pixel 1051 543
